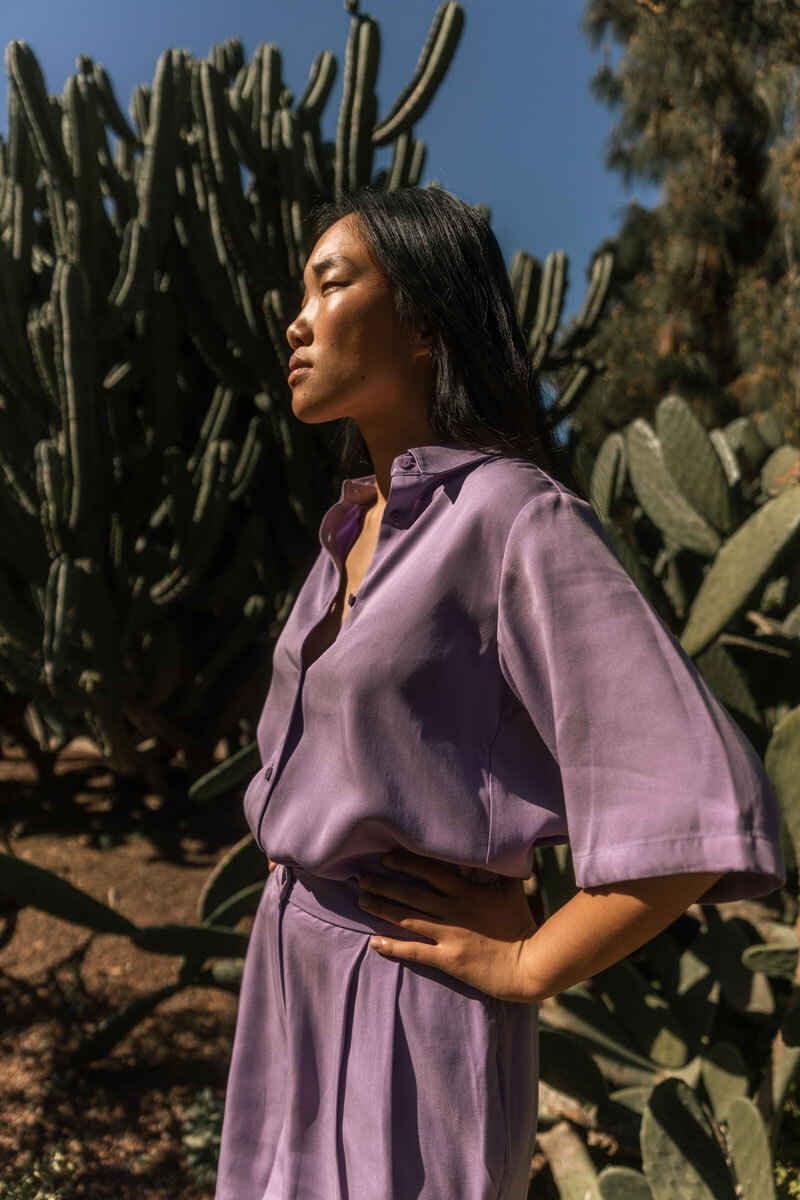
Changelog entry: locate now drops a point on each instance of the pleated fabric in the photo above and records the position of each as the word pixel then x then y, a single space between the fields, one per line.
pixel 377 1078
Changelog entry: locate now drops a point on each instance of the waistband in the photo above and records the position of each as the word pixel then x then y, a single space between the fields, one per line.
pixel 335 901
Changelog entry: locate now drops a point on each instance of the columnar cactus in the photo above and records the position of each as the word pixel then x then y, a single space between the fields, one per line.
pixel 145 427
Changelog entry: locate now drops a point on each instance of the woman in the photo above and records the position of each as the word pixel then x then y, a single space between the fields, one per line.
pixel 467 672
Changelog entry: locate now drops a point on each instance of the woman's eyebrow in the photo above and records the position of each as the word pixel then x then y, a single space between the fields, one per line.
pixel 319 268
pixel 331 260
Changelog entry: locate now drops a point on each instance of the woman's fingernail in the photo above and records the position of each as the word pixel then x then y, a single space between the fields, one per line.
pixel 376 943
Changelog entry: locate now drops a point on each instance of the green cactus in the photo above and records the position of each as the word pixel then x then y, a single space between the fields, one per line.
pixel 226 973
pixel 730 683
pixel 694 465
pixel 623 1183
pixel 26 77
pixel 146 296
pixel 659 494
pixel 727 456
pixel 682 1158
pixel 782 760
pixel 724 1075
pixel 243 865
pixel 236 769
pixel 741 567
pixel 779 962
pixel 587 1019
pixel 746 442
pixel 644 1014
pixel 632 1098
pixel 435 58
pixel 570 1163
pixel 565 1065
pixel 142 341
pixel 746 990
pixel 241 904
pixel 608 475
pixel 750 1150
pixel 790 1022
pixel 780 469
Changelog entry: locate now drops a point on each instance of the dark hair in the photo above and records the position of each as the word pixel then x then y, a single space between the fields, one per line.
pixel 447 270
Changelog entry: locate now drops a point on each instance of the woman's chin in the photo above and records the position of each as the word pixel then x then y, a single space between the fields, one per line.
pixel 314 413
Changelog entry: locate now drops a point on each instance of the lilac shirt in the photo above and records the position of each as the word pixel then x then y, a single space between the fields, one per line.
pixel 499 683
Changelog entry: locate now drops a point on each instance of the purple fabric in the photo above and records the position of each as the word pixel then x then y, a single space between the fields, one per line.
pixel 499 683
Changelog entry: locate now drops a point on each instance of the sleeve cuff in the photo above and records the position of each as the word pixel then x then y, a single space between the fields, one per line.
pixel 753 863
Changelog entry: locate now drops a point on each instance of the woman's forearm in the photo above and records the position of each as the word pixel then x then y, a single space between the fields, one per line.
pixel 599 926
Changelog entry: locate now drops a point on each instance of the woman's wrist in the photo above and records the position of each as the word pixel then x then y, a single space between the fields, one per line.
pixel 599 926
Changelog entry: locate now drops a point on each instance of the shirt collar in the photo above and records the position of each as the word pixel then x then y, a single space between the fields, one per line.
pixel 445 456
pixel 437 459
pixel 418 462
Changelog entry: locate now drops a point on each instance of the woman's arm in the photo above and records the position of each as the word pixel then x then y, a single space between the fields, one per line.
pixel 598 926
pixel 487 936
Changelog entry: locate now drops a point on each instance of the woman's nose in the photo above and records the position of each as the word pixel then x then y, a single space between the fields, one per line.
pixel 298 334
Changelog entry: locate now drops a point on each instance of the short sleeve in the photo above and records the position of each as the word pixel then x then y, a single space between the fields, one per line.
pixel 657 777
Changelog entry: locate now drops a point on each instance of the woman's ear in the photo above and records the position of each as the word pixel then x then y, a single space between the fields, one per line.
pixel 422 342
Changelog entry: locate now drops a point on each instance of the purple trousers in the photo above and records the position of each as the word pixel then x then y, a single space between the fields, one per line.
pixel 360 1077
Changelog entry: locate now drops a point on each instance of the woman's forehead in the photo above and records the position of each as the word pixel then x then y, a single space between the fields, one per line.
pixel 347 235
pixel 343 234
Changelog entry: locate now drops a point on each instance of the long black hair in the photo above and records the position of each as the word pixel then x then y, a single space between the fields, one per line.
pixel 447 272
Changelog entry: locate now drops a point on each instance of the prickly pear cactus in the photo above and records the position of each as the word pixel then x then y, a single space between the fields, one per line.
pixel 708 526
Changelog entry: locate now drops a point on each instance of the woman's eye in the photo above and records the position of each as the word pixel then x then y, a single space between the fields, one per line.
pixel 330 283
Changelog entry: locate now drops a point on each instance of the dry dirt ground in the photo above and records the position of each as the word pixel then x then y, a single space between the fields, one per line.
pixel 118 1119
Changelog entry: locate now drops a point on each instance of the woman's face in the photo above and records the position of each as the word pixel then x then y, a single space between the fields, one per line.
pixel 359 363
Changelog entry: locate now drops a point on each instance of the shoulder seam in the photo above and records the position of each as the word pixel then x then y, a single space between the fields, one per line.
pixel 562 491
pixel 534 502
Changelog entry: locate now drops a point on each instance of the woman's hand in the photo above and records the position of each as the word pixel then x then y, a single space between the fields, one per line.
pixel 477 932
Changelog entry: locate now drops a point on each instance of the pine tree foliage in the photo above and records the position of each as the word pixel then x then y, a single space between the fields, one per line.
pixel 705 298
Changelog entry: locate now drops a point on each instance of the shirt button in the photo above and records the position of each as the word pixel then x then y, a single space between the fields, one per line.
pixel 406 462
pixel 268 771
pixel 395 517
pixel 351 599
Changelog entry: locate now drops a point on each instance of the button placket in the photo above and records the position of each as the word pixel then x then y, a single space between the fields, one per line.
pixel 278 751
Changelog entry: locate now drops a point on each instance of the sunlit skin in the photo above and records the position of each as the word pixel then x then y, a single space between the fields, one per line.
pixel 364 366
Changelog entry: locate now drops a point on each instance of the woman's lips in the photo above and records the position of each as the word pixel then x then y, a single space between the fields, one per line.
pixel 297 372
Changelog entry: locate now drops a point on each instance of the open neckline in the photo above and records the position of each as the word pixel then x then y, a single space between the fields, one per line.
pixel 354 534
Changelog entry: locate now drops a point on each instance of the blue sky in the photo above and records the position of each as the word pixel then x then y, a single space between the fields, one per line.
pixel 513 126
